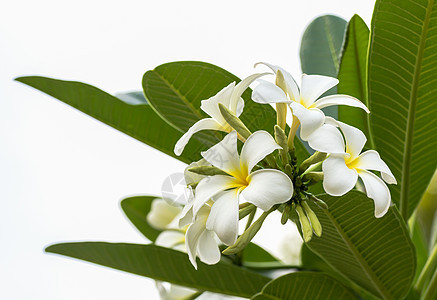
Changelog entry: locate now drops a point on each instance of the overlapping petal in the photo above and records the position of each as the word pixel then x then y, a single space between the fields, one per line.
pixel 208 249
pixel 338 179
pixel 267 92
pixel 355 138
pixel 310 119
pixel 327 139
pixel 313 86
pixel 292 88
pixel 162 214
pixel 224 155
pixel 204 124
pixel 267 187
pixel 256 147
pixel 235 100
pixel 370 160
pixel 340 100
pixel 211 105
pixel 223 219
pixel 377 190
pixel 209 187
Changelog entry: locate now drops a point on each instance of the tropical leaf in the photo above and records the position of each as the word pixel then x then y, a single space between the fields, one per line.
pixel 321 48
pixel 353 74
pixel 305 286
pixel 166 265
pixel 136 209
pixel 138 121
pixel 376 254
pixel 176 89
pixel 402 72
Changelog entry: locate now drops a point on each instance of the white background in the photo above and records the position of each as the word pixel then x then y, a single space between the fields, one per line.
pixel 63 174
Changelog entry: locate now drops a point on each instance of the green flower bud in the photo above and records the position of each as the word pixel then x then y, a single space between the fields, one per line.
pixel 317 227
pixel 234 121
pixel 305 225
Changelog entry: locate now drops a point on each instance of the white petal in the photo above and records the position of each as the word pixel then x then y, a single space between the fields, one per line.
pixel 223 219
pixel 310 119
pixel 257 146
pixel 340 100
pixel 378 191
pixel 177 292
pixel 207 249
pixel 204 124
pixel 355 139
pixel 267 92
pixel 327 139
pixel 191 177
pixel 209 187
pixel 186 216
pixel 224 155
pixel 267 187
pixel 313 86
pixel 210 106
pixel 240 88
pixel 171 239
pixel 240 107
pixel 192 237
pixel 338 179
pixel 162 214
pixel 292 88
pixel 370 160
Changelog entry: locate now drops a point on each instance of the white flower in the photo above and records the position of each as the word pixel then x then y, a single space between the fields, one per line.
pixel 264 188
pixel 168 291
pixel 345 163
pixel 303 102
pixel 162 214
pixel 230 97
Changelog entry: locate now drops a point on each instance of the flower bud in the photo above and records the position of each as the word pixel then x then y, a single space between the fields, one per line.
pixel 317 227
pixel 313 159
pixel 281 140
pixel 234 121
pixel 207 170
pixel 305 225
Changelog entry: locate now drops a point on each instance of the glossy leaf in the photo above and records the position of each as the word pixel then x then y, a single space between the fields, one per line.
pixel 138 121
pixel 136 209
pixel 402 87
pixel 353 74
pixel 166 265
pixel 176 89
pixel 321 48
pixel 376 254
pixel 305 286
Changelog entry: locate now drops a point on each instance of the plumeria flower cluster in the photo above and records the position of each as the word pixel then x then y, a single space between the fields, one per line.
pixel 227 184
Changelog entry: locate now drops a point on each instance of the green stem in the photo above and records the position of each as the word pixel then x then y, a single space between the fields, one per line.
pixel 250 219
pixel 430 291
pixel 427 270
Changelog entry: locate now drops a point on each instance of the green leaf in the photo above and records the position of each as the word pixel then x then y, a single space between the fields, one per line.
pixel 166 265
pixel 136 209
pixel 176 89
pixel 138 121
pixel 402 72
pixel 305 286
pixel 320 50
pixel 376 254
pixel 255 253
pixel 420 243
pixel 353 74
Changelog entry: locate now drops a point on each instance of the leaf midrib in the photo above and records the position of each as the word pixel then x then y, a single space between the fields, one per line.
pixel 408 146
pixel 331 44
pixel 368 271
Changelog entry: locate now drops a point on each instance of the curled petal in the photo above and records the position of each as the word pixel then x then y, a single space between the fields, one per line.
pixel 378 191
pixel 171 239
pixel 192 237
pixel 210 106
pixel 327 139
pixel 207 249
pixel 310 119
pixel 224 155
pixel 162 214
pixel 340 100
pixel 186 216
pixel 239 90
pixel 338 179
pixel 292 88
pixel 209 187
pixel 313 86
pixel 267 92
pixel 267 187
pixel 257 146
pixel 355 139
pixel 204 124
pixel 370 160
pixel 223 219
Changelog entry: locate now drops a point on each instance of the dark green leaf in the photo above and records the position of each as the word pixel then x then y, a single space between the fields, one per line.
pixel 305 286
pixel 138 121
pixel 376 254
pixel 353 74
pixel 402 72
pixel 166 265
pixel 254 253
pixel 320 50
pixel 136 209
pixel 176 89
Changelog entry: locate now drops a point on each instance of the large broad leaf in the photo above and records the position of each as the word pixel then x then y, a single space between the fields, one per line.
pixel 166 265
pixel 320 50
pixel 136 209
pixel 138 121
pixel 402 85
pixel 353 74
pixel 305 286
pixel 376 254
pixel 176 89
